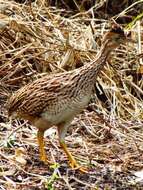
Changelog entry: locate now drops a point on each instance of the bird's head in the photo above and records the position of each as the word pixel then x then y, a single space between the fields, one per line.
pixel 115 37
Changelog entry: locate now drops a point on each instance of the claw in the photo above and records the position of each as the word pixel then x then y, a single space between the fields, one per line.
pixel 75 166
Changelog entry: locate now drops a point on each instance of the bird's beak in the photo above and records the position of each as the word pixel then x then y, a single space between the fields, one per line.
pixel 128 39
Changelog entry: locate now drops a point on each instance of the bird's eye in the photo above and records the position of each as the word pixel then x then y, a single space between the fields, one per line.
pixel 117 38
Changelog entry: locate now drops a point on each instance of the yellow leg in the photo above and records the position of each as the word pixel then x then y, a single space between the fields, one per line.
pixel 40 138
pixel 73 162
pixel 62 130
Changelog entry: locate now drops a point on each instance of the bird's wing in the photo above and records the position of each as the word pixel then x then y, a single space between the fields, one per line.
pixel 33 98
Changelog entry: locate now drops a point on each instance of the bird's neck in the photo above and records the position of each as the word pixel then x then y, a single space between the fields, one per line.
pixel 97 65
pixel 90 71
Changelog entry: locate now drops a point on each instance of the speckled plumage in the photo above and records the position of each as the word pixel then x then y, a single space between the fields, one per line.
pixel 57 99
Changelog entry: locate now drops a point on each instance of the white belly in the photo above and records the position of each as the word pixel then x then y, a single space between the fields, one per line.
pixel 66 110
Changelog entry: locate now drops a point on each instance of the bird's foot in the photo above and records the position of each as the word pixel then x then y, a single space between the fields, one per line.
pixel 74 165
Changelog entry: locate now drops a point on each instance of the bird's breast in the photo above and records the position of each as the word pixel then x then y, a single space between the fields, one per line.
pixel 66 109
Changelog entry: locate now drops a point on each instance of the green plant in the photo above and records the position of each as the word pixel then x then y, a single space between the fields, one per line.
pixel 53 177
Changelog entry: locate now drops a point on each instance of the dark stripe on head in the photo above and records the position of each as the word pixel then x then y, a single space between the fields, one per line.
pixel 116 28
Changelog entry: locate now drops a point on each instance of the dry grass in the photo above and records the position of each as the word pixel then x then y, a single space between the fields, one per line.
pixel 107 137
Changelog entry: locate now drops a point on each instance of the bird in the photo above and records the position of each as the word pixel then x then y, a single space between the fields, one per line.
pixel 55 99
